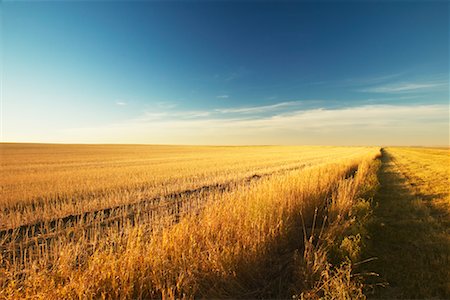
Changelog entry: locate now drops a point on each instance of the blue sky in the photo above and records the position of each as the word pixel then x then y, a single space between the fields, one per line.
pixel 225 72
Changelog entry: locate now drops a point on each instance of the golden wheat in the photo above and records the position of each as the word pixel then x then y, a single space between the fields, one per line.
pixel 41 182
pixel 242 241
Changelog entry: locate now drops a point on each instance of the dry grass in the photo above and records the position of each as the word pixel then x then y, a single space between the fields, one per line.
pixel 427 172
pixel 271 237
pixel 41 182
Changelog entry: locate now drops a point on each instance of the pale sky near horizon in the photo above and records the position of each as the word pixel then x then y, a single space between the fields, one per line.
pixel 229 73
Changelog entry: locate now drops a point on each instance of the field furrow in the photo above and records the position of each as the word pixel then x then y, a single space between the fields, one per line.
pixel 239 222
pixel 103 208
pixel 40 193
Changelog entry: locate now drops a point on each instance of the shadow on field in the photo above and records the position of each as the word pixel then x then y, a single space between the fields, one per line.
pixel 410 239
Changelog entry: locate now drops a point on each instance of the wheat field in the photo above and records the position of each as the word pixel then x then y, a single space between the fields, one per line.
pixel 172 222
pixel 110 221
pixel 43 182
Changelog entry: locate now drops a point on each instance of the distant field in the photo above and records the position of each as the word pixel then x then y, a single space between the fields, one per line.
pixel 42 182
pixel 427 171
pixel 116 221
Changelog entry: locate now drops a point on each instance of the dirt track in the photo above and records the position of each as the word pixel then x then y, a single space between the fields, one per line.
pixel 405 238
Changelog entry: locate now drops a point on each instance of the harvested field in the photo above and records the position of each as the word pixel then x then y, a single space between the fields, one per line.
pixel 230 208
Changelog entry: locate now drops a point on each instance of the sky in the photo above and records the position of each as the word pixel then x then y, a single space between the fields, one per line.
pixel 228 73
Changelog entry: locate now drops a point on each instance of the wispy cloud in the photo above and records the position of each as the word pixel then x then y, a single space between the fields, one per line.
pixel 159 113
pixel 223 96
pixel 121 103
pixel 360 81
pixel 258 109
pixel 172 115
pixel 407 87
pixel 377 79
pixel 368 124
pixel 394 83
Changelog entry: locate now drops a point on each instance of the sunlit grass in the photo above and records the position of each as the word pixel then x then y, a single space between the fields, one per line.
pixel 269 237
pixel 427 171
pixel 39 182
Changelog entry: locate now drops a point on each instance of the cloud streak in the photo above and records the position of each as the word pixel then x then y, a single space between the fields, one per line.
pixel 369 124
pixel 407 87
pixel 221 113
pixel 259 109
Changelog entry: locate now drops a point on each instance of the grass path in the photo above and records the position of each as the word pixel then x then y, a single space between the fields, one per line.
pixel 409 236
